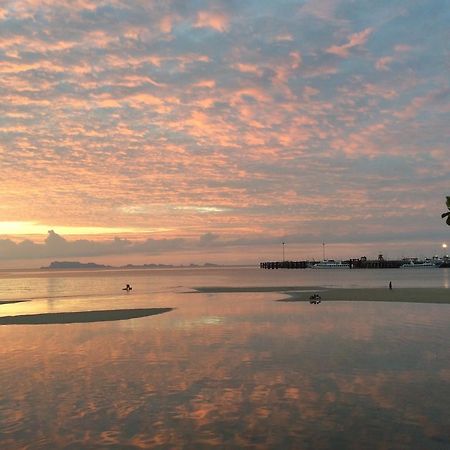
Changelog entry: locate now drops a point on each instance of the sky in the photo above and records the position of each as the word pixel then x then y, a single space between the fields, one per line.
pixel 212 131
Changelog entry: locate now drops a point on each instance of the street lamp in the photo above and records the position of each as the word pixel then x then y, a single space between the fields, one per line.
pixel 284 243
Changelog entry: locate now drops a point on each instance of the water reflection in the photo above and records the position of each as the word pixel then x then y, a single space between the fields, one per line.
pixel 232 371
pixel 445 276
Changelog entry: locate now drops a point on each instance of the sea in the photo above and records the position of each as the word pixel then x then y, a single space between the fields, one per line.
pixel 223 370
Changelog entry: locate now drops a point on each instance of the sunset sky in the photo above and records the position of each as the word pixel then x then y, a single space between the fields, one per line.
pixel 211 131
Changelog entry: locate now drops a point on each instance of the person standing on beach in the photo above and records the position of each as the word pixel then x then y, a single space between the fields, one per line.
pixel 390 285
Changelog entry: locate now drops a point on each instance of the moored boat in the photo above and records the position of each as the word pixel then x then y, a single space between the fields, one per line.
pixel 331 264
pixel 427 264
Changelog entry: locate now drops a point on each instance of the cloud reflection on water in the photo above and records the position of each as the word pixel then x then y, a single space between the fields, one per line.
pixel 266 375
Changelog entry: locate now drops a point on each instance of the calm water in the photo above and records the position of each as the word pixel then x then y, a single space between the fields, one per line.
pixel 224 370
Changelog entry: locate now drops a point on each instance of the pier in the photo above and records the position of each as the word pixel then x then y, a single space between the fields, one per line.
pixel 354 263
pixel 284 264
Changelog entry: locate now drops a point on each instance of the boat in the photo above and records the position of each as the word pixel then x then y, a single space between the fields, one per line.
pixel 427 264
pixel 331 264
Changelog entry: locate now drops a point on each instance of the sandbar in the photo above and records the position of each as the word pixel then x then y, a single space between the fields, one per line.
pixel 401 295
pixel 7 302
pixel 81 316
pixel 302 293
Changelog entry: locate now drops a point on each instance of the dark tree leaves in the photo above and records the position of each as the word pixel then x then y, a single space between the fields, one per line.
pixel 447 214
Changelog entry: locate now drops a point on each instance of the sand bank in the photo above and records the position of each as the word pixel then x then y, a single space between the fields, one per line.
pixel 81 316
pixel 302 293
pixel 7 302
pixel 406 295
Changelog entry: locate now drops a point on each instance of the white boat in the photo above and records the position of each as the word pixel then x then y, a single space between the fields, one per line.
pixel 427 264
pixel 331 264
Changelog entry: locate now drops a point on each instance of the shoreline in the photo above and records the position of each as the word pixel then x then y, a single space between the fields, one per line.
pixel 302 293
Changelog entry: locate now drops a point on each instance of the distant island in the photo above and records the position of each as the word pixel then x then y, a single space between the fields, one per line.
pixel 91 265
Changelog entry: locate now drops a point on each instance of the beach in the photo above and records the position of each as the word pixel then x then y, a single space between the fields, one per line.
pixel 401 295
pixel 302 293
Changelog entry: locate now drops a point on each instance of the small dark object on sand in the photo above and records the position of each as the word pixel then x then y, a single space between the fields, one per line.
pixel 315 299
pixel 127 288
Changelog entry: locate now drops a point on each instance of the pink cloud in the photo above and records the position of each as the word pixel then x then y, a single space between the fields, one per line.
pixel 354 40
pixel 137 80
pixel 210 84
pixel 219 21
pixel 324 10
pixel 283 38
pixel 383 63
pixel 249 68
pixel 168 21
pixel 320 71
pixel 166 24
pixel 258 94
pixel 402 48
pixel 309 91
pixel 416 104
pixel 379 91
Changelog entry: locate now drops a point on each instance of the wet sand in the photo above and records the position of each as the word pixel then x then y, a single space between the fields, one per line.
pixel 302 293
pixel 81 316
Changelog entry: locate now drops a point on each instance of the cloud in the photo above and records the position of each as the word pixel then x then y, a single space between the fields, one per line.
pixel 354 40
pixel 383 63
pixel 436 99
pixel 208 239
pixel 324 10
pixel 239 118
pixel 56 246
pixel 216 20
pixel 167 22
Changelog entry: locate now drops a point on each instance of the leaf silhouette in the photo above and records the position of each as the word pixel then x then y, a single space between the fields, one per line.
pixel 448 202
pixel 445 214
